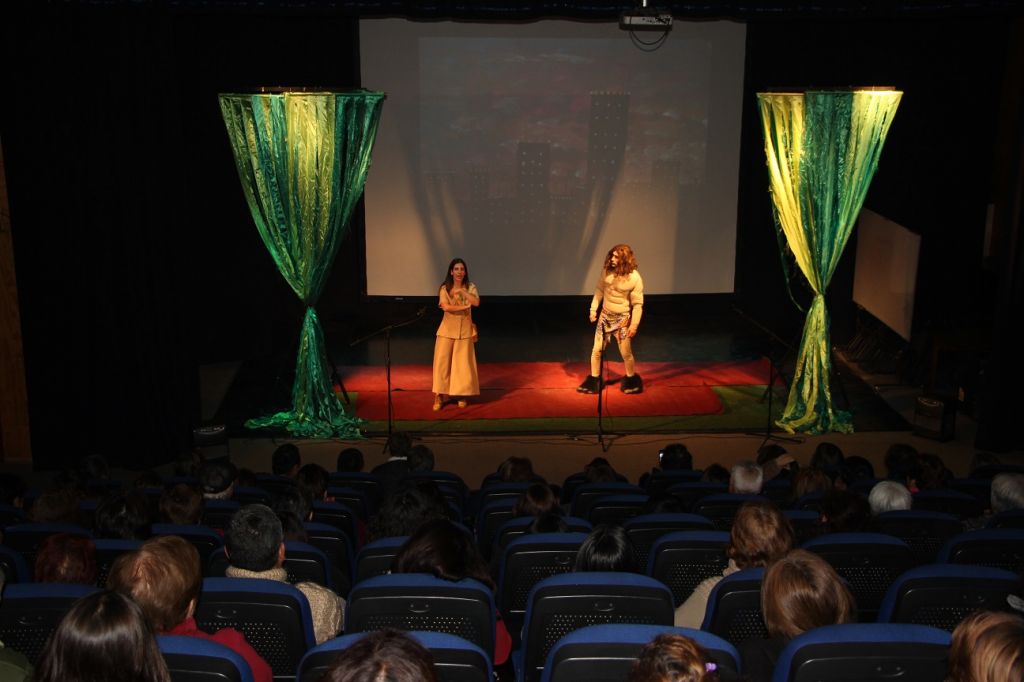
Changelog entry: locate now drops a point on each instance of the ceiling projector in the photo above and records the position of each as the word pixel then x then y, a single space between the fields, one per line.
pixel 646 19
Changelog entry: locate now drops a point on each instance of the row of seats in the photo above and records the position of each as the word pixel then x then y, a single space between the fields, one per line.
pixel 276 620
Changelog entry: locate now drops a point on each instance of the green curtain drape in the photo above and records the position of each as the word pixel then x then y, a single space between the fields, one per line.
pixel 302 158
pixel 822 149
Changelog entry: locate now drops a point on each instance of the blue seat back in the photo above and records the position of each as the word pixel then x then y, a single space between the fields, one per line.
pixel 416 601
pixel 605 652
pixel 683 559
pixel 29 612
pixel 455 659
pixel 867 652
pixel 563 603
pixel 192 659
pixel 734 607
pixel 941 595
pixel 274 617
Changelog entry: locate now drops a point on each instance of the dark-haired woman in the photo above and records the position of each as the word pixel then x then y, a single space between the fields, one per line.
pixel 445 550
pixel 455 371
pixel 103 637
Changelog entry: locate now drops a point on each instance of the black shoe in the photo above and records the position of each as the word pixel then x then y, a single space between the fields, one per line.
pixel 591 384
pixel 633 384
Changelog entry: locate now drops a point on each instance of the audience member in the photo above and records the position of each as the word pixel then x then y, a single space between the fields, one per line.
pixel 292 527
pixel 217 479
pixel 673 658
pixel 800 592
pixel 104 636
pixel 254 544
pixel 768 452
pixel 148 480
pixel 715 473
pixel 675 456
pixel 607 548
pixel 296 500
pixel 402 512
pixel 66 558
pixel 987 647
pixel 537 500
pixel 548 523
pixel 516 470
pixel 446 551
pixel 391 472
pixel 188 463
pixel 123 516
pixel 383 656
pixel 600 473
pixel 844 512
pixel 888 496
pixel 809 481
pixel 420 459
pixel 901 465
pixel 56 506
pixel 854 469
pixel 1007 492
pixel 760 534
pixel 933 472
pixel 181 504
pixel 314 480
pixel 746 478
pixel 286 460
pixel 164 578
pixel 350 460
pixel 775 462
pixel 829 458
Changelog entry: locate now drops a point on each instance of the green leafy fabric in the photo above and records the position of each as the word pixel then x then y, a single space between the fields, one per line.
pixel 822 149
pixel 303 158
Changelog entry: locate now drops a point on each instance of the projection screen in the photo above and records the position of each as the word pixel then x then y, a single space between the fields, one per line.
pixel 530 149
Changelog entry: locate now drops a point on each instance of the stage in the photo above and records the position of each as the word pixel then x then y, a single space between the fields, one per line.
pixel 705 365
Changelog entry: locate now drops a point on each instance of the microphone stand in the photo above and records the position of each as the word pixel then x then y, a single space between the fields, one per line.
pixel 386 330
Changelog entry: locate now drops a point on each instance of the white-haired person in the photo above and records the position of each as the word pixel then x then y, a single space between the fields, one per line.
pixel 746 478
pixel 887 496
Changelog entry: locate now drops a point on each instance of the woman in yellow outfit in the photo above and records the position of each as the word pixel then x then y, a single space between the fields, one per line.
pixel 455 371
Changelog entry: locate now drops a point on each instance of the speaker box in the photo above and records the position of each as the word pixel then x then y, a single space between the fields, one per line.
pixel 935 418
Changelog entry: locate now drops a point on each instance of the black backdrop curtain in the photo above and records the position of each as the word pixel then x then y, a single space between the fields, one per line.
pixel 137 259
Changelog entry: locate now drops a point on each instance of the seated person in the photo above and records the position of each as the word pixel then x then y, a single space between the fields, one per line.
pixel 800 591
pixel 351 460
pixel 181 504
pixel 254 544
pixel 886 496
pixel 607 548
pixel 66 558
pixel 446 551
pixel 746 478
pixel 760 534
pixel 402 511
pixel 987 647
pixel 164 579
pixel 123 516
pixel 673 658
pixel 383 656
pixel 103 637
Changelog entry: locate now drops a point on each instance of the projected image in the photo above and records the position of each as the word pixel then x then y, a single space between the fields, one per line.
pixel 548 151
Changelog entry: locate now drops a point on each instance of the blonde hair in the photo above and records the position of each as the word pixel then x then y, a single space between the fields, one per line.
pixel 987 647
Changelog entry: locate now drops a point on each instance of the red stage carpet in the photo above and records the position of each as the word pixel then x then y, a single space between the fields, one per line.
pixel 521 390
